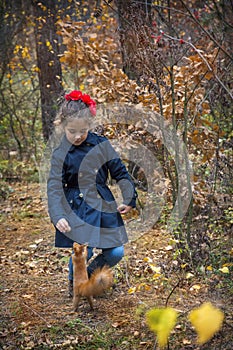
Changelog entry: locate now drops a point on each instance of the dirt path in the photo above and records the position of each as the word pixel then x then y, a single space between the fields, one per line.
pixel 36 312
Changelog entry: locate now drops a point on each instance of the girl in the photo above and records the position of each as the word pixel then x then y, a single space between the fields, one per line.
pixel 81 206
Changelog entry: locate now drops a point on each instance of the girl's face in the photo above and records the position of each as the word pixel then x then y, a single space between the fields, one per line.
pixel 76 131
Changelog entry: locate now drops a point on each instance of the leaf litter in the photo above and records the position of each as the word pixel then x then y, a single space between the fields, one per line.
pixel 36 312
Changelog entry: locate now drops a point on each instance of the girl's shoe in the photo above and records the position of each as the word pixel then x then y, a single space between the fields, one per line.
pixel 71 293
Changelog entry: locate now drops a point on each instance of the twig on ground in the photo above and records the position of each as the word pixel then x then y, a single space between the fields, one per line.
pixel 36 313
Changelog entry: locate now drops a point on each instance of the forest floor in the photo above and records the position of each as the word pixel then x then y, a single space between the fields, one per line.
pixel 36 312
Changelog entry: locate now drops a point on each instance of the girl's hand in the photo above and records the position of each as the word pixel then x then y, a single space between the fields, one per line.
pixel 63 226
pixel 123 209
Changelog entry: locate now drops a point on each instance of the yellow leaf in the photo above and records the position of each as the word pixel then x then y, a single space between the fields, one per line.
pixel 147 259
pixel 17 48
pixel 156 269
pixel 35 69
pixel 224 269
pixel 131 290
pixel 195 287
pixel 25 53
pixel 162 322
pixel 206 320
pixel 183 265
pixel 82 87
pixel 147 287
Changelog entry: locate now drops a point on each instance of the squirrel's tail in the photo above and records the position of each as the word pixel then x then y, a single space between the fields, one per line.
pixel 100 280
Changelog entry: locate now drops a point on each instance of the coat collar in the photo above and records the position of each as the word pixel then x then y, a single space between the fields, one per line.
pixel 92 140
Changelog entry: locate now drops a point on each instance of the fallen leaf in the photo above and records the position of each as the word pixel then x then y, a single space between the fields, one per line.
pixel 162 321
pixel 169 247
pixel 147 259
pixel 224 269
pixel 131 290
pixel 206 320
pixel 37 241
pixel 27 296
pixel 195 287
pixel 156 269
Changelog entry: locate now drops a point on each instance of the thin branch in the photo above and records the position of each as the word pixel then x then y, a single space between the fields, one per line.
pixel 220 15
pixel 205 31
pixel 117 12
pixel 205 60
pixel 172 291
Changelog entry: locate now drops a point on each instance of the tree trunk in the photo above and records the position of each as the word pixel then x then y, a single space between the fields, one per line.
pixel 132 17
pixel 50 73
pixel 11 23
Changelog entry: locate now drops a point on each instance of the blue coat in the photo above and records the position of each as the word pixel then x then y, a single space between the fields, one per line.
pixel 77 191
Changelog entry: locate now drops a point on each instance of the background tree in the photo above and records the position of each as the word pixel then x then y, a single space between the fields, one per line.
pixel 49 67
pixel 15 78
pixel 132 17
pixel 11 22
pixel 179 58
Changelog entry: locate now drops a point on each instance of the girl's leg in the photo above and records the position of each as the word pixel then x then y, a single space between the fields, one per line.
pixel 109 256
pixel 70 286
pixel 70 269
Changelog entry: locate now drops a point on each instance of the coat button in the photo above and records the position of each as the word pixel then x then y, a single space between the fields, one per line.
pixel 81 195
pixel 80 174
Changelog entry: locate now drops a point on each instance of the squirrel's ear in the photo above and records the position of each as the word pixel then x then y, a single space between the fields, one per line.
pixel 77 248
pixel 83 249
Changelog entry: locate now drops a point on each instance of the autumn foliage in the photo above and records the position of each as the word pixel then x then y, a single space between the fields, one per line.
pixel 173 59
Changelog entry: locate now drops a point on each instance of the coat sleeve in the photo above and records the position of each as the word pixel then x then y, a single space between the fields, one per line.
pixel 119 173
pixel 56 198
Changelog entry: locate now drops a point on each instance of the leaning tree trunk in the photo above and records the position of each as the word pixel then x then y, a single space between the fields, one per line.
pixel 50 73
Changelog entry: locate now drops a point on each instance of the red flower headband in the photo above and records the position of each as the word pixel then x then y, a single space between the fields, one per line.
pixel 76 95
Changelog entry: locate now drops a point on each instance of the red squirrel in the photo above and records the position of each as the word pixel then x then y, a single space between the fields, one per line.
pixel 100 280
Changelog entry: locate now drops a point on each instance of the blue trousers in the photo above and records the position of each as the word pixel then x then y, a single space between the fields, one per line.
pixel 109 256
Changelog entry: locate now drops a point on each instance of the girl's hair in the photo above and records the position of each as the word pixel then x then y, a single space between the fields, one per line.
pixel 72 109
